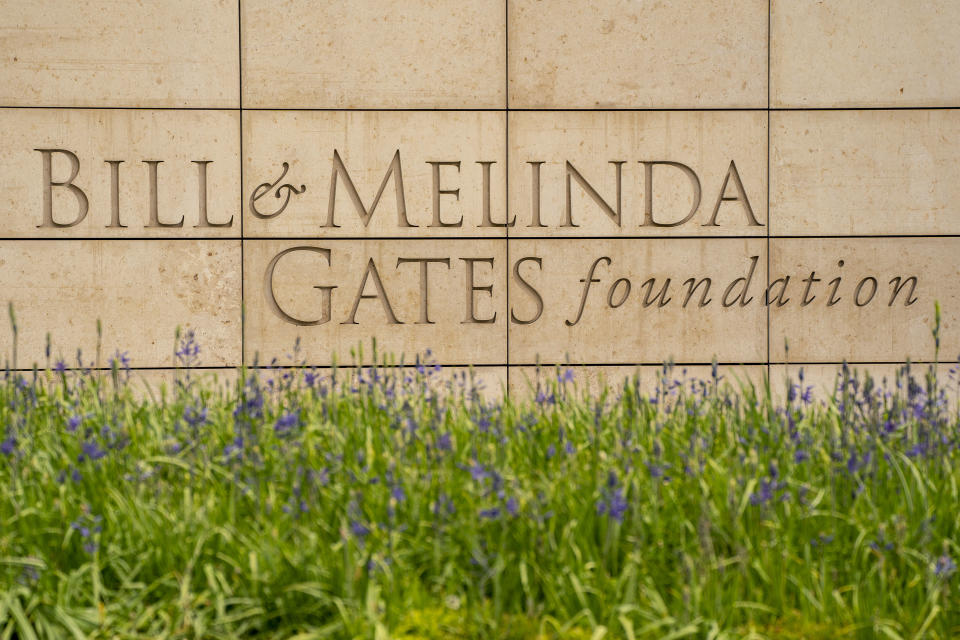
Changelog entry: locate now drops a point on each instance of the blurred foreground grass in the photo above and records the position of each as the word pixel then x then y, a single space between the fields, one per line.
pixel 382 502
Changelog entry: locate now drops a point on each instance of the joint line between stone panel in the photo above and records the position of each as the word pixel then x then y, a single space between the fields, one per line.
pixel 769 216
pixel 243 305
pixel 506 160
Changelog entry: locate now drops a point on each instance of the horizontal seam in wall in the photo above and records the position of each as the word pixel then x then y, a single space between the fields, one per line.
pixel 493 109
pixel 515 365
pixel 431 238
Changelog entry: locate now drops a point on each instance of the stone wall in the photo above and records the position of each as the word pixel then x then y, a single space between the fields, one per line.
pixel 609 183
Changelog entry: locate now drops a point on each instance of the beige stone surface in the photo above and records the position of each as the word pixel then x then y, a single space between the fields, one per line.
pixel 865 53
pixel 140 290
pixel 119 53
pixel 161 383
pixel 446 325
pixel 367 144
pixel 374 54
pixel 865 172
pixel 661 381
pixel 630 53
pixel 876 330
pixel 616 327
pixel 588 146
pixel 823 380
pixel 89 139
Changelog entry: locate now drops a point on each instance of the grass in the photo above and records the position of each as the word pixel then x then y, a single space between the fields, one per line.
pixel 383 502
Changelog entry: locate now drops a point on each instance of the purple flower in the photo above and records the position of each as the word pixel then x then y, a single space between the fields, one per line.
pixel 120 361
pixel 490 514
pixel 444 442
pixel 359 530
pixel 443 505
pixel 188 349
pixel 234 447
pixel 60 366
pixel 478 472
pixel 944 567
pixel 87 526
pixel 543 398
pixel 287 423
pixel 397 493
pixel 8 446
pixel 195 417
pixel 74 422
pixel 91 450
pixel 512 507
pixel 766 492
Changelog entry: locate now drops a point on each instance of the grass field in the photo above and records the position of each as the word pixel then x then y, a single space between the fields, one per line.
pixel 382 502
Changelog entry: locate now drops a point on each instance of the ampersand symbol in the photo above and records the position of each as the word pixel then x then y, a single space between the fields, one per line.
pixel 285 191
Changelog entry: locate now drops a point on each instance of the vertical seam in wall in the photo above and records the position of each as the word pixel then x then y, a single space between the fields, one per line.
pixel 506 158
pixel 243 306
pixel 769 178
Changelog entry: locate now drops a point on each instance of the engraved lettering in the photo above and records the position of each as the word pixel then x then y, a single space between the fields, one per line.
pixel 648 219
pixel 154 210
pixel 664 299
pixel 202 201
pixel 284 191
pixel 693 285
pixel 833 292
pixel 424 283
pixel 898 285
pixel 115 194
pixel 437 192
pixel 613 292
pixel 589 280
pixel 873 291
pixel 535 194
pixel 472 287
pixel 526 286
pixel 49 183
pixel 740 197
pixel 614 214
pixel 742 295
pixel 380 295
pixel 807 298
pixel 325 291
pixel 783 289
pixel 486 220
pixel 395 170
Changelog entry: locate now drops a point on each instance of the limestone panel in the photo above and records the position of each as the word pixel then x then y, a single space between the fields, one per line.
pixel 141 291
pixel 823 382
pixel 865 172
pixel 655 381
pixel 623 53
pixel 864 53
pixel 110 53
pixel 374 173
pixel 374 54
pixel 409 295
pixel 863 299
pixel 119 173
pixel 157 384
pixel 490 382
pixel 645 173
pixel 637 301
